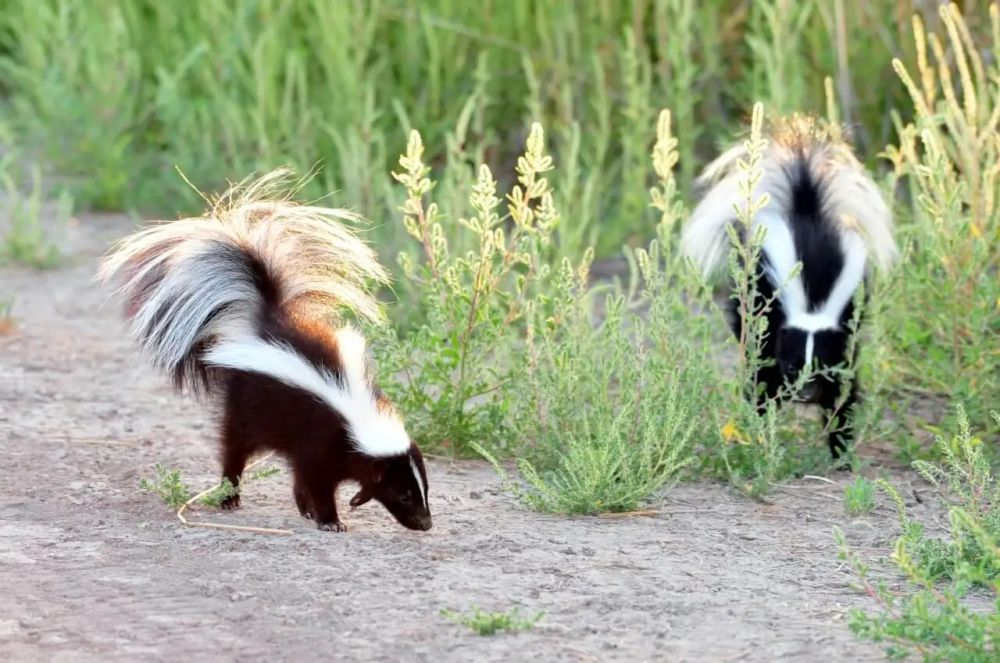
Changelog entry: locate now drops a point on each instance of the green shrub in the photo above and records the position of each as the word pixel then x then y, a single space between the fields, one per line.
pixel 458 372
pixel 25 241
pixel 944 324
pixel 936 615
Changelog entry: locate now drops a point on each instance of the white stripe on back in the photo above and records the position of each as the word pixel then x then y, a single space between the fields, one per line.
pixel 420 481
pixel 375 432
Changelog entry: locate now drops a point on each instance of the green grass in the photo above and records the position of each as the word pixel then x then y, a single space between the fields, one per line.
pixel 115 94
pixel 25 241
pixel 859 497
pixel 944 320
pixel 491 623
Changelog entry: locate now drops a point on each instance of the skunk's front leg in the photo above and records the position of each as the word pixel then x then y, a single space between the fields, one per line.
pixel 319 495
pixel 841 434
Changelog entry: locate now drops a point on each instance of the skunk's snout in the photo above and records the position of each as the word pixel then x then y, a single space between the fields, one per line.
pixel 809 392
pixel 421 522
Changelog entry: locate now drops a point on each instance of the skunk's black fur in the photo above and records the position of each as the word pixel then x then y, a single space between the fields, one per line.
pixel 233 305
pixel 826 214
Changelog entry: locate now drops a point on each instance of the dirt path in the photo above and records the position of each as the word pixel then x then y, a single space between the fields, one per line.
pixel 94 569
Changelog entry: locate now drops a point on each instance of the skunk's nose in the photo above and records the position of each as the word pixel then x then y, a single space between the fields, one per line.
pixel 809 392
pixel 424 524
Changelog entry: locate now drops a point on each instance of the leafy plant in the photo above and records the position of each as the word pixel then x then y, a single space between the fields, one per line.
pixel 934 616
pixel 226 489
pixel 491 623
pixel 168 485
pixel 944 327
pixel 25 241
pixel 606 409
pixel 859 497
pixel 460 367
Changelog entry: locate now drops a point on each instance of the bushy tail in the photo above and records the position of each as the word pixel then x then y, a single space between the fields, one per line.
pixel 187 284
pixel 847 195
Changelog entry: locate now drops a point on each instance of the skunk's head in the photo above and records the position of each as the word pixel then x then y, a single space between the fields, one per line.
pixel 805 347
pixel 400 484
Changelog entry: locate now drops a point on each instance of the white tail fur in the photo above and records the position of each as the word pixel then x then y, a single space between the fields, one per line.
pixel 188 281
pixel 851 198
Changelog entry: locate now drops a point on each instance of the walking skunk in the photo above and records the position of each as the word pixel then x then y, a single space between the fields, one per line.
pixel 232 304
pixel 824 212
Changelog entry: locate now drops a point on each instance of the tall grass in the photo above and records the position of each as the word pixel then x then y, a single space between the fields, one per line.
pixel 115 94
pixel 945 322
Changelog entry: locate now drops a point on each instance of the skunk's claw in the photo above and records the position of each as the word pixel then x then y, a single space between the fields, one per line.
pixel 335 526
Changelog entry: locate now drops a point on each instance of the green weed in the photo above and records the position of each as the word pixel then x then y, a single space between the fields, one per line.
pixel 859 497
pixel 460 366
pixel 933 616
pixel 491 623
pixel 170 487
pixel 945 321
pixel 607 405
pixel 25 241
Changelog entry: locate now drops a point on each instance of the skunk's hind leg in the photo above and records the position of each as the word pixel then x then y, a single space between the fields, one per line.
pixel 235 453
pixel 302 499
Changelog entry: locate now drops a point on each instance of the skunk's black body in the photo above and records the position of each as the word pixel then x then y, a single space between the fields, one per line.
pixel 817 245
pixel 825 214
pixel 232 305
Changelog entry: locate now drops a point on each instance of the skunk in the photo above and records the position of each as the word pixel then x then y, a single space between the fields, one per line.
pixel 231 305
pixel 824 212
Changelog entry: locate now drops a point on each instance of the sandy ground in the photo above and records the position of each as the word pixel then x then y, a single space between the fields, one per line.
pixel 91 568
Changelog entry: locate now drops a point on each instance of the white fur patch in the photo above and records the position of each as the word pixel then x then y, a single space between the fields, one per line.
pixel 810 348
pixel 420 481
pixel 188 281
pixel 375 432
pixel 851 199
pixel 827 316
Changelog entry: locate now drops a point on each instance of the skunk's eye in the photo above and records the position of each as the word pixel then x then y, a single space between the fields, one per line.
pixel 406 498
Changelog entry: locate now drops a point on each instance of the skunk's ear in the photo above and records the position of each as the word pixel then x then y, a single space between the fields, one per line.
pixel 363 496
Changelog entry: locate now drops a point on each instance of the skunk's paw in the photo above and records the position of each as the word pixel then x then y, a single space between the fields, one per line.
pixel 231 502
pixel 335 526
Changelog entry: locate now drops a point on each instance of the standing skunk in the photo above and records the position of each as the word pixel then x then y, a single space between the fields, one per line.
pixel 231 304
pixel 824 212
